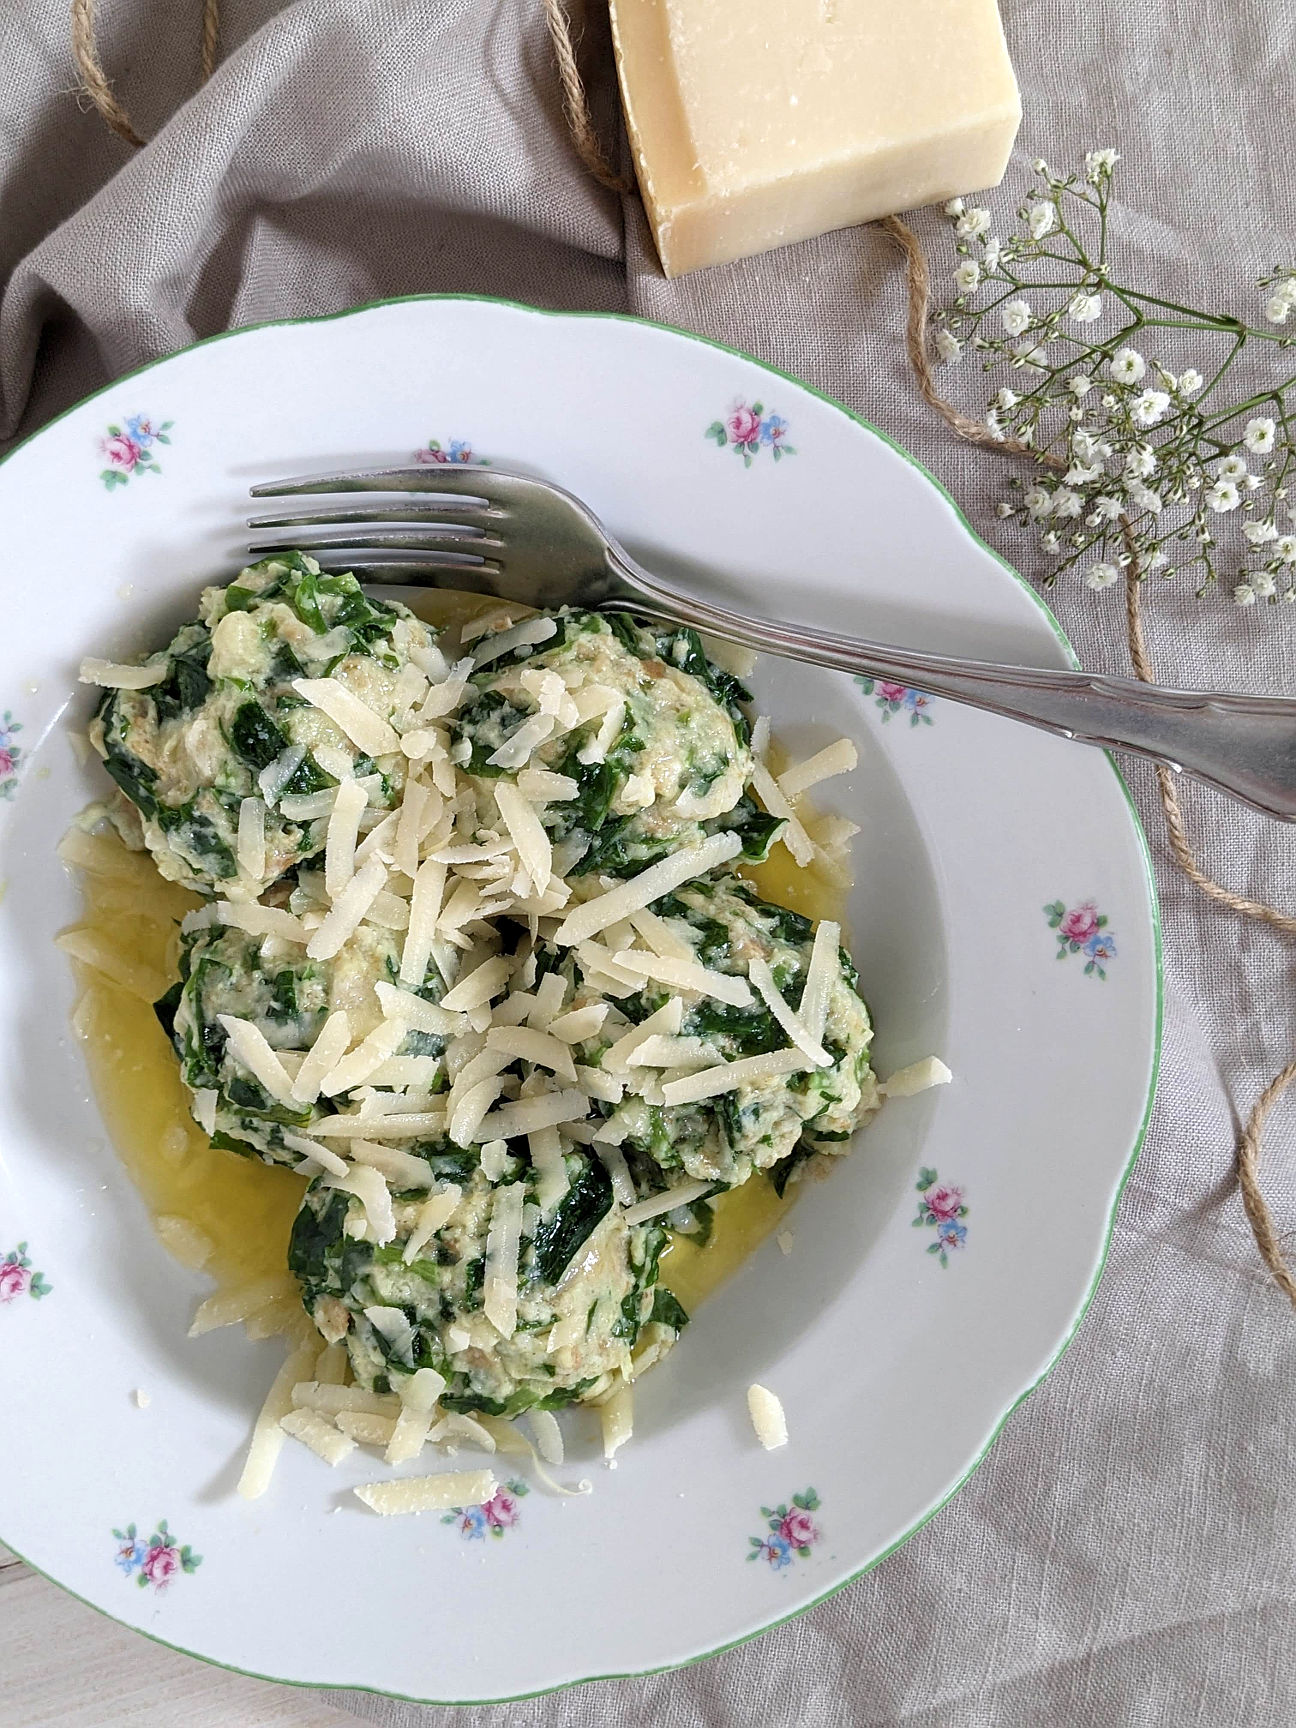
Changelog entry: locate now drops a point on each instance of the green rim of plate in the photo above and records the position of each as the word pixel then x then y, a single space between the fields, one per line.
pixel 1153 905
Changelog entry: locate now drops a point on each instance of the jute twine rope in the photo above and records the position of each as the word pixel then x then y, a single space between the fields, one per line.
pixel 585 140
pixel 93 80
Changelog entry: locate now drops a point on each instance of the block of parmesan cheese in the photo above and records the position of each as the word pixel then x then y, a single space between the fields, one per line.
pixel 758 124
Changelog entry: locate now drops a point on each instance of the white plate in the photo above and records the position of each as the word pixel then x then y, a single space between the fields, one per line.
pixel 897 1362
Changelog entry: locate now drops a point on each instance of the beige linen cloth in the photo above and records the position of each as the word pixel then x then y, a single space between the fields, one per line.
pixel 1124 1555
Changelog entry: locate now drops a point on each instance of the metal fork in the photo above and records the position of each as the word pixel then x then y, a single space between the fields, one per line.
pixel 491 531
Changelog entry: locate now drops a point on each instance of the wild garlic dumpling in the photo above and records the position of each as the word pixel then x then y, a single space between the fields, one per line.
pixel 582 1297
pixel 642 727
pixel 224 758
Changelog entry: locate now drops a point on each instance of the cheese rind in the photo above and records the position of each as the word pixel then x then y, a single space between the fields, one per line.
pixel 754 126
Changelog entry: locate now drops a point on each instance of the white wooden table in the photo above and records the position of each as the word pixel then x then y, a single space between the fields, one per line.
pixel 62 1665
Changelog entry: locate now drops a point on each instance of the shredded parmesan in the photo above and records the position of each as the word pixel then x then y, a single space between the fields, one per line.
pixel 312 1149
pixel 481 984
pixel 793 836
pixel 259 920
pixel 368 731
pixel 683 1195
pixel 428 1493
pixel 368 1430
pixel 617 1417
pixel 758 971
pixel 838 758
pixel 402 1169
pixel 267 1436
pixel 579 1024
pixel 527 634
pixel 728 1076
pixel 500 1287
pixel 371 1191
pixel 548 1435
pixel 767 1416
pixel 545 1148
pixel 526 832
pixel 408 1435
pixel 347 911
pixel 686 975
pixel 544 1110
pixel 329 1400
pixel 917 1077
pixel 251 841
pixel 112 675
pixel 343 833
pixel 322 1057
pixel 671 872
pixel 322 1437
pixel 823 967
pixel 432 1214
pixel 247 1044
pixel 535 1047
pixel 228 1307
pixel 369 1055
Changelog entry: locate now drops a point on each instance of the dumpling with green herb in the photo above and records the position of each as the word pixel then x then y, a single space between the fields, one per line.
pixel 644 733
pixel 229 766
pixel 517 1307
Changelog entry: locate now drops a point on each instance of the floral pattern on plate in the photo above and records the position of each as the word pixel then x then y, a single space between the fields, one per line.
pixel 458 451
pixel 1083 930
pixel 899 699
pixel 747 429
pixel 11 755
pixel 791 1532
pixel 130 449
pixel 941 1208
pixel 155 1562
pixel 19 1278
pixel 493 1517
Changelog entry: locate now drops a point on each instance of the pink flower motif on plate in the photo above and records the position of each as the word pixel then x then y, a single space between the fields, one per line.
pixel 154 1562
pixel 457 453
pixel 19 1278
pixel 942 1208
pixel 11 755
pixel 1083 930
pixel 493 1517
pixel 790 1532
pixel 895 699
pixel 747 430
pixel 131 449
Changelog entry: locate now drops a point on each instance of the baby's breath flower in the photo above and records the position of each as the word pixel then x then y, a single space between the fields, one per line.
pixel 1223 496
pixel 1146 499
pixel 1154 560
pixel 1083 444
pixel 1080 384
pixel 972 222
pixel 1244 594
pixel 954 207
pixel 1007 399
pixel 1085 308
pixel 1102 575
pixel 1016 317
pixel 1254 482
pixel 1259 436
pixel 1190 381
pixel 1150 407
pixel 1127 365
pixel 1107 508
pixel 1099 164
pixel 1276 309
pixel 1041 219
pixel 1262 584
pixel 1066 502
pixel 948 346
pixel 1083 474
pixel 967 278
pixel 1030 354
pixel 1285 548
pixel 1004 508
pixel 1232 468
pixel 1039 502
pixel 1259 533
pixel 990 257
pixel 1140 461
pixel 1051 543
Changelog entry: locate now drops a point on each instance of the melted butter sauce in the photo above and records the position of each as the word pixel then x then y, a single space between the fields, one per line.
pixel 244 1209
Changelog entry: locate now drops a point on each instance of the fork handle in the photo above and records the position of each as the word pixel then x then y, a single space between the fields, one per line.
pixel 1244 746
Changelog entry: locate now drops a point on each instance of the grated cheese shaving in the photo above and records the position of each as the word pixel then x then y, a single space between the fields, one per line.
pixel 408 1436
pixel 593 916
pixel 838 758
pixel 548 1435
pixel 368 1430
pixel 259 920
pixel 758 970
pixel 533 1046
pixel 347 912
pixel 547 1110
pixel 617 1418
pixel 322 1057
pixel 683 1195
pixel 247 1044
pixel 767 1416
pixel 428 1493
pixel 819 976
pixel 435 1211
pixel 484 982
pixel 267 1436
pixel 527 634
pixel 917 1077
pixel 330 1400
pixel 686 975
pixel 368 1056
pixel 527 833
pixel 250 844
pixel 205 1100
pixel 666 1019
pixel 793 835
pixel 368 731
pixel 425 909
pixel 402 1169
pixel 371 1191
pixel 580 1024
pixel 113 675
pixel 522 742
pixel 322 1437
pixel 503 1238
pixel 728 1076
pixel 552 1182
pixel 312 1149
pixel 343 833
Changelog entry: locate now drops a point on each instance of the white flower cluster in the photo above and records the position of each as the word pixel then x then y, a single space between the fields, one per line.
pixel 1142 467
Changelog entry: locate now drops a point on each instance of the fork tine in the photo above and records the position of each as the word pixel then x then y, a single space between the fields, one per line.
pixel 370 567
pixel 467 484
pixel 434 538
pixel 458 509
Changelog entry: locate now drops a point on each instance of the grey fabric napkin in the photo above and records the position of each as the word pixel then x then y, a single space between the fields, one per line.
pixel 1124 1554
